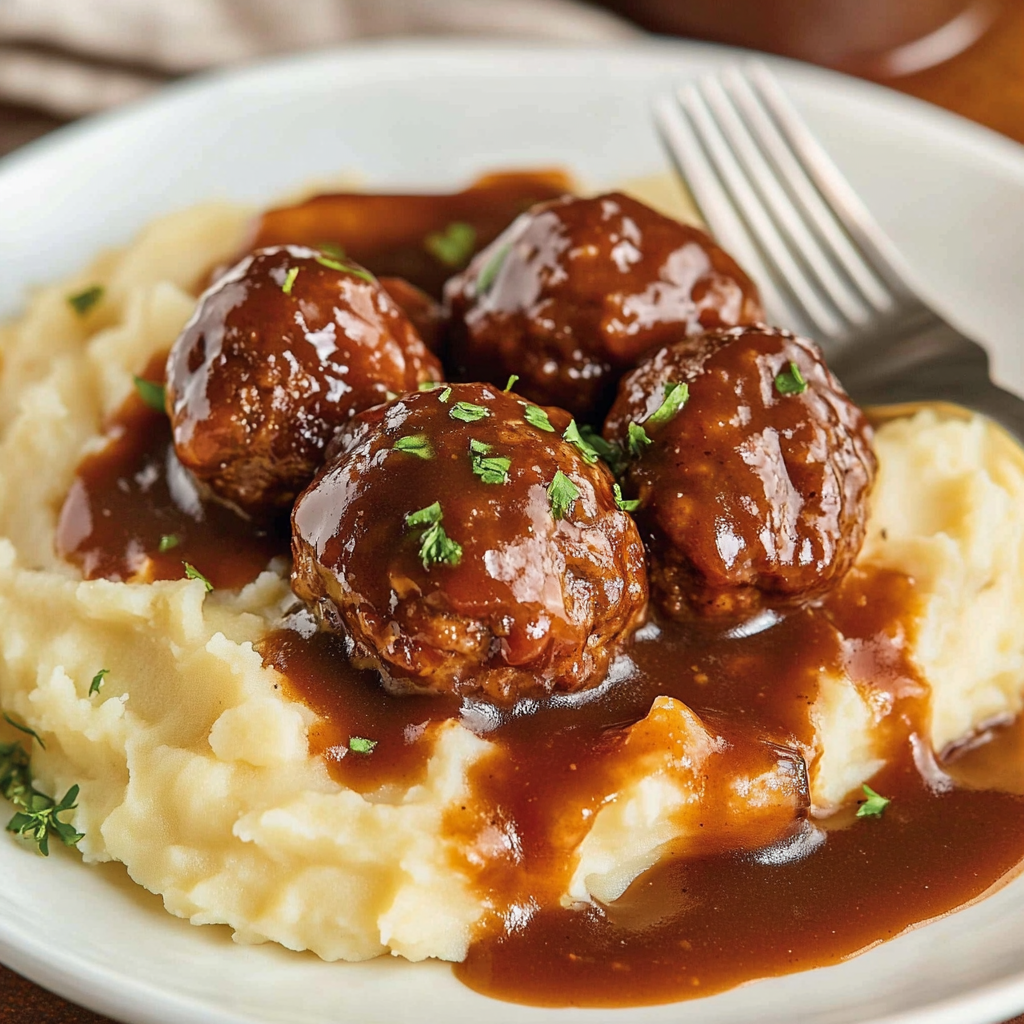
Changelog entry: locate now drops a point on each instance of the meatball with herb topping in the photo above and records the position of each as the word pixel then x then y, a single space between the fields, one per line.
pixel 282 350
pixel 576 290
pixel 470 543
pixel 751 466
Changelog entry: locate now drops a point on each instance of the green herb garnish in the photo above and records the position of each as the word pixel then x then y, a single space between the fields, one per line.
pixel 346 268
pixel 791 381
pixel 97 681
pixel 537 417
pixel 445 395
pixel 562 492
pixel 361 745
pixel 25 729
pixel 637 440
pixel 624 504
pixel 192 573
pixel 454 245
pixel 675 398
pixel 467 412
pixel 85 300
pixel 415 444
pixel 573 436
pixel 428 385
pixel 492 469
pixel 435 545
pixel 874 805
pixel 289 280
pixel 612 454
pixel 491 270
pixel 150 392
pixel 37 814
pixel 512 378
pixel 332 249
pixel 167 542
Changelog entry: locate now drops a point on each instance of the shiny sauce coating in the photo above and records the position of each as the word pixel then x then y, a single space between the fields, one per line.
pixel 691 926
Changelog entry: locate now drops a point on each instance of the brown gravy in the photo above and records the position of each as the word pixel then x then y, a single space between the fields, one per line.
pixel 693 925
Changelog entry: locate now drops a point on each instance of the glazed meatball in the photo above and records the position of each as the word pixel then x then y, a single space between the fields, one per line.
pixel 282 350
pixel 576 290
pixel 752 468
pixel 468 547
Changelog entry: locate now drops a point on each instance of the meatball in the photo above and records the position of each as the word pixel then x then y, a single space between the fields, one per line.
pixel 282 350
pixel 576 290
pixel 752 468
pixel 469 545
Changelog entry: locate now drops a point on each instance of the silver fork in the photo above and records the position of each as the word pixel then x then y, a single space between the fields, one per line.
pixel 775 200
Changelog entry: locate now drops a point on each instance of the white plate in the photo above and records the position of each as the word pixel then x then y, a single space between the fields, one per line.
pixel 950 193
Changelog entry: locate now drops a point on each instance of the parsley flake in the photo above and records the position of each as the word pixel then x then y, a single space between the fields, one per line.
pixel 512 378
pixel 346 268
pixel 192 573
pixel 874 805
pixel 453 246
pixel 537 417
pixel 25 729
pixel 37 816
pixel 97 681
pixel 361 745
pixel 332 249
pixel 612 454
pixel 492 469
pixel 467 412
pixel 675 398
pixel 573 436
pixel 415 444
pixel 562 492
pixel 167 542
pixel 445 395
pixel 428 385
pixel 435 545
pixel 150 392
pixel 492 269
pixel 791 381
pixel 85 300
pixel 289 280
pixel 637 440
pixel 624 504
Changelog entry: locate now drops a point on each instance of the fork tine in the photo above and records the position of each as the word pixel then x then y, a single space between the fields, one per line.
pixel 787 272
pixel 838 194
pixel 715 206
pixel 802 242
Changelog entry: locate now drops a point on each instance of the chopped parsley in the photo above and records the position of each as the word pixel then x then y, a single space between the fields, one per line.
pixel 624 504
pixel 192 573
pixel 150 392
pixel 445 395
pixel 562 492
pixel 675 398
pixel 453 246
pixel 537 417
pixel 791 381
pixel 467 412
pixel 637 440
pixel 612 454
pixel 167 542
pixel 361 745
pixel 415 444
pixel 289 280
pixel 491 270
pixel 85 300
pixel 38 816
pixel 492 469
pixel 25 729
pixel 874 805
pixel 428 385
pixel 512 378
pixel 345 268
pixel 587 450
pixel 97 681
pixel 332 249
pixel 435 545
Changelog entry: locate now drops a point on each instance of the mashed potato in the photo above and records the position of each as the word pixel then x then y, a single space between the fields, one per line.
pixel 195 770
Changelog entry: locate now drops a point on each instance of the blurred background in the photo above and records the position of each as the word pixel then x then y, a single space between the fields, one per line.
pixel 63 59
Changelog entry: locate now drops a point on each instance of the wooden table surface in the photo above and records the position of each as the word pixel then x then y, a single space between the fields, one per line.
pixel 985 84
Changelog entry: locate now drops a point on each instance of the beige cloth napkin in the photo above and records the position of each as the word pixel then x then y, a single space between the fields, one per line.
pixel 73 57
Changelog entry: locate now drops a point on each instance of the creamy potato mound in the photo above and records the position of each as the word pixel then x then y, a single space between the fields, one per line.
pixel 194 768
